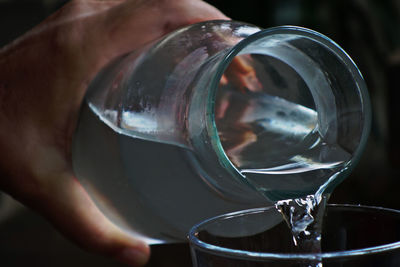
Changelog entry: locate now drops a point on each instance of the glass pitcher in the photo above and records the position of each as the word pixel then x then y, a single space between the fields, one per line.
pixel 215 117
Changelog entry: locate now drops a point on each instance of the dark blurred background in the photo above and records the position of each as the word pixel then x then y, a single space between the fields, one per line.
pixel 368 30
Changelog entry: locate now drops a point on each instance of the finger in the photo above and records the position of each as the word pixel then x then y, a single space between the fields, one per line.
pixel 193 11
pixel 151 19
pixel 242 75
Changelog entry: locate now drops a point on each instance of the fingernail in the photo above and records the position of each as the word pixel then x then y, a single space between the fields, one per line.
pixel 133 257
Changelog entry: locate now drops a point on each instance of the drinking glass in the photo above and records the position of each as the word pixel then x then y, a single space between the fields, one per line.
pixel 352 236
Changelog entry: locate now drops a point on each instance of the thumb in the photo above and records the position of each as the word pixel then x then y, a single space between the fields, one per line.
pixel 71 210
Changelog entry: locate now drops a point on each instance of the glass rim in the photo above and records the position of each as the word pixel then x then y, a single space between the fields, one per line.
pixel 243 254
pixel 293 30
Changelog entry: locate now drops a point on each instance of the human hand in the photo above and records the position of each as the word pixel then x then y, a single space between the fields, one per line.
pixel 43 78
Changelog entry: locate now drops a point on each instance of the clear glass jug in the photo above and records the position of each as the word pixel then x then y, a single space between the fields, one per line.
pixel 216 117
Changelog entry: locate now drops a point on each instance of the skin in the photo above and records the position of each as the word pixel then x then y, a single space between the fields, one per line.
pixel 43 78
